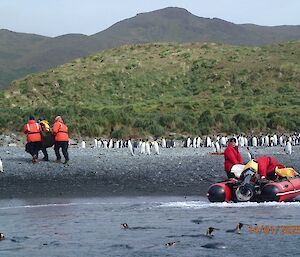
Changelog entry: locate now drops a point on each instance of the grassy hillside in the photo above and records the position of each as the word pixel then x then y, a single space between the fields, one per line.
pixel 160 88
pixel 22 54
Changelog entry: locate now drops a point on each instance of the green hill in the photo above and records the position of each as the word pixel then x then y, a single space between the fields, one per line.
pixel 161 88
pixel 22 54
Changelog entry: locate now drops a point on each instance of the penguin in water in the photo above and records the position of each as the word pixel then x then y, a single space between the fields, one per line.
pixel 124 225
pixel 171 243
pixel 2 237
pixel 1 166
pixel 210 230
pixel 237 229
pixel 214 246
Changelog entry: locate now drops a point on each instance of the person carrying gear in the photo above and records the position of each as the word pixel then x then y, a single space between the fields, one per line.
pixel 265 167
pixel 33 131
pixel 232 157
pixel 46 137
pixel 60 131
pixel 44 124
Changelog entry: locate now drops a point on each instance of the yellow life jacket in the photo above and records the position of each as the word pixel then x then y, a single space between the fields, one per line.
pixel 286 172
pixel 251 164
pixel 46 125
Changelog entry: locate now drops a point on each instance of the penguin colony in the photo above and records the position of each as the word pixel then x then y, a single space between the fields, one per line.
pixel 216 142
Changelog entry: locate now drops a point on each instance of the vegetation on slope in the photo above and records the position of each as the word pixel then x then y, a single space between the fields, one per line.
pixel 156 89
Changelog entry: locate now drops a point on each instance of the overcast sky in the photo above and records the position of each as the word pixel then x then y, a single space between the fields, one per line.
pixel 58 17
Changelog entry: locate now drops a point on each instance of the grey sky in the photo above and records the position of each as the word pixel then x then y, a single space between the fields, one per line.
pixel 57 17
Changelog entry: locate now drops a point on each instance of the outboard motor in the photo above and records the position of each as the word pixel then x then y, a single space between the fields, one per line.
pixel 246 190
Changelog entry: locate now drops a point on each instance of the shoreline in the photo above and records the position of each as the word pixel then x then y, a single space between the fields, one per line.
pixel 114 172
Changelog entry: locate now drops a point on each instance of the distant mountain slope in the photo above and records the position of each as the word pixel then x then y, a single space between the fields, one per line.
pixel 193 88
pixel 21 53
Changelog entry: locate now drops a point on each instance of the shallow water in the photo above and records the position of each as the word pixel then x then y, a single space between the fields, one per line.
pixel 91 227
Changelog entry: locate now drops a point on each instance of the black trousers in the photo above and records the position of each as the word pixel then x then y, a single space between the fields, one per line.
pixel 64 147
pixel 33 148
pixel 44 151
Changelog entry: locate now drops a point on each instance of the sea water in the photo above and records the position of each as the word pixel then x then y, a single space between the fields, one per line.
pixel 92 227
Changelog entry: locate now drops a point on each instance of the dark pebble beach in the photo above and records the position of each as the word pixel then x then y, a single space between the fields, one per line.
pixel 115 172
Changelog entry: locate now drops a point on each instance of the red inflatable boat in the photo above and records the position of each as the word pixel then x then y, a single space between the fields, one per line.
pixel 282 189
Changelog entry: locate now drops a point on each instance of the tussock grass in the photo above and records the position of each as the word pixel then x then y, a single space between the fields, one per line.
pixel 161 88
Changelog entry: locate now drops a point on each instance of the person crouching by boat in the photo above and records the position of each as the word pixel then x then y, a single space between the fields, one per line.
pixel 60 131
pixel 33 131
pixel 266 166
pixel 45 135
pixel 232 157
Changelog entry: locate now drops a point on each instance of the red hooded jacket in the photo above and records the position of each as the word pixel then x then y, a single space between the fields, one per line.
pixel 267 164
pixel 60 130
pixel 33 131
pixel 232 156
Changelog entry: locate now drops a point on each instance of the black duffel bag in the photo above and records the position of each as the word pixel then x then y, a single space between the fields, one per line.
pixel 47 139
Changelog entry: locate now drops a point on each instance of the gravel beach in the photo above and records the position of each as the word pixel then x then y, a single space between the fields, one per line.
pixel 105 172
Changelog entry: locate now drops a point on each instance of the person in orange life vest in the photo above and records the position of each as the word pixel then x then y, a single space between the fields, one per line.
pixel 33 131
pixel 60 131
pixel 232 156
pixel 45 127
pixel 266 167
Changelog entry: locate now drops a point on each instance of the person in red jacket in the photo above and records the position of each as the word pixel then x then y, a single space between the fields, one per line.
pixel 33 131
pixel 232 156
pixel 60 131
pixel 266 167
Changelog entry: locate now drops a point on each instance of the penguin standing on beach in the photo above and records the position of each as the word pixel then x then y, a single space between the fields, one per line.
pixel 198 143
pixel 95 143
pixel 218 147
pixel 288 147
pixel 254 141
pixel 105 143
pixel 163 143
pixel 195 142
pixel 83 144
pixel 188 142
pixel 208 142
pixel 147 148
pixel 110 144
pixel 143 148
pixel 130 147
pixel 223 141
pixel 1 166
pixel 156 148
